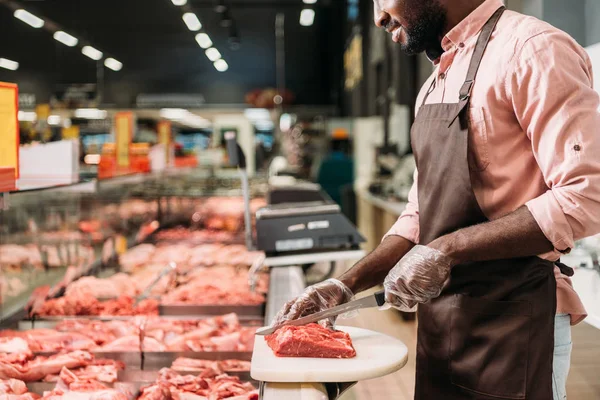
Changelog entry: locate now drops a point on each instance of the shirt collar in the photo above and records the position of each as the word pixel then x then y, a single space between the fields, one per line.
pixel 472 24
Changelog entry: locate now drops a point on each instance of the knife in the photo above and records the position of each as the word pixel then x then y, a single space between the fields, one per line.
pixel 374 300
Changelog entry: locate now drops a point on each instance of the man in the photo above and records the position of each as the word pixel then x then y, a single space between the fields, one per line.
pixel 507 179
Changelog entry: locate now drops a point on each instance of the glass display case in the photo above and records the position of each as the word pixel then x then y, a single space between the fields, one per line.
pixel 50 236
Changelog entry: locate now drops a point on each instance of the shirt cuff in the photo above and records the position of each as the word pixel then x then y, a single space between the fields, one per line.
pixel 548 214
pixel 407 226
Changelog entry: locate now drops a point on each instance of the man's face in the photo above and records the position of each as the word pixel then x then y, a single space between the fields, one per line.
pixel 418 25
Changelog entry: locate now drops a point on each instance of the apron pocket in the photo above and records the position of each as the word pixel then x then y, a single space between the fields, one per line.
pixel 489 341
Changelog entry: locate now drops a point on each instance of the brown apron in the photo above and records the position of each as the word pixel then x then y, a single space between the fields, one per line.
pixel 490 335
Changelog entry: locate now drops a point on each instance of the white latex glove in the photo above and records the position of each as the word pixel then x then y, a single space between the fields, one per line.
pixel 417 278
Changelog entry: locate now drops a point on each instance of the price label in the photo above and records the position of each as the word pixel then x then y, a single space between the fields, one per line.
pixel 123 137
pixel 120 244
pixel 9 126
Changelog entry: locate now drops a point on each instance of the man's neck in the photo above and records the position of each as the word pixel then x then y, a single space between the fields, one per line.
pixel 459 10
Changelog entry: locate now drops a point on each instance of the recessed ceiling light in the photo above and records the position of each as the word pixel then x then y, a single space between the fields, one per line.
pixel 92 53
pixel 29 18
pixel 307 17
pixel 213 54
pixel 179 2
pixel 66 39
pixel 221 65
pixel 9 64
pixel 113 64
pixel 192 22
pixel 309 1
pixel 203 40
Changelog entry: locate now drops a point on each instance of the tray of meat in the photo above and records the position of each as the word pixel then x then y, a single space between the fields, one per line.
pixel 312 353
pixel 125 339
pixel 187 366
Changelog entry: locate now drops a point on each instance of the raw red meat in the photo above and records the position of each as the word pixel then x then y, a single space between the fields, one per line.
pixel 198 366
pixel 71 386
pixel 102 370
pixel 84 305
pixel 36 369
pixel 311 340
pixel 171 385
pixel 13 389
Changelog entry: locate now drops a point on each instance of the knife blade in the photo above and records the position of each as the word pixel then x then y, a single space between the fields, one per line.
pixel 374 300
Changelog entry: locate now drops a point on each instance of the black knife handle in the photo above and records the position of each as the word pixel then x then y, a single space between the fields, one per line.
pixel 380 297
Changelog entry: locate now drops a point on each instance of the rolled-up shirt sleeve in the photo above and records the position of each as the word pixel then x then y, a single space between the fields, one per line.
pixel 407 224
pixel 553 98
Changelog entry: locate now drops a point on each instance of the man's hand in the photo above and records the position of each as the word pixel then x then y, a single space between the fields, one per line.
pixel 319 297
pixel 417 278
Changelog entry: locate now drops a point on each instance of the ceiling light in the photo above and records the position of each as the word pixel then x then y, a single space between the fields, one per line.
pixel 9 64
pixel 92 53
pixel 65 38
pixel 29 18
pixel 113 64
pixel 307 17
pixel 309 1
pixel 90 113
pixel 27 116
pixel 226 20
pixel 179 2
pixel 204 40
pixel 221 7
pixel 221 65
pixel 213 54
pixel 192 22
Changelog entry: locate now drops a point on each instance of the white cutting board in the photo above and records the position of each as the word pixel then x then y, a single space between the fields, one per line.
pixel 376 355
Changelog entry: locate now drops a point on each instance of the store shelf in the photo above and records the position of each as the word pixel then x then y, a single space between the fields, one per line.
pixel 313 258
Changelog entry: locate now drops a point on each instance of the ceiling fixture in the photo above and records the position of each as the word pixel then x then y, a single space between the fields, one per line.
pixel 90 113
pixel 27 116
pixel 192 22
pixel 226 20
pixel 92 53
pixel 66 39
pixel 309 1
pixel 221 65
pixel 234 38
pixel 113 64
pixel 9 64
pixel 213 54
pixel 221 7
pixel 179 2
pixel 307 17
pixel 29 18
pixel 204 40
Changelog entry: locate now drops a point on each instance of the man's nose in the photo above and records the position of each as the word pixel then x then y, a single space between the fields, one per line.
pixel 382 19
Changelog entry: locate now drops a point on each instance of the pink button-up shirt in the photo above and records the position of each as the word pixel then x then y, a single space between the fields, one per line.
pixel 534 125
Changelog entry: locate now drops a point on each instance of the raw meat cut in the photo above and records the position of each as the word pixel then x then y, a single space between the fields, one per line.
pixel 311 340
pixel 13 389
pixel 195 365
pixel 116 286
pixel 171 385
pixel 84 305
pixel 36 369
pixel 70 386
pixel 201 293
pixel 102 371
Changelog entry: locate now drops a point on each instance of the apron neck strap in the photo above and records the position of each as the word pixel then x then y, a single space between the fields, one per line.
pixel 482 42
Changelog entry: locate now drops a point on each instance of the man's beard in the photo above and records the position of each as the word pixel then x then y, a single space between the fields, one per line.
pixel 427 24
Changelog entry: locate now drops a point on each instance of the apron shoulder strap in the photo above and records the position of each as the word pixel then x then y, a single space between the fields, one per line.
pixel 482 43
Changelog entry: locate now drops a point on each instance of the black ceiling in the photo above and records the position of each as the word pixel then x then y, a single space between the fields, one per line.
pixel 160 54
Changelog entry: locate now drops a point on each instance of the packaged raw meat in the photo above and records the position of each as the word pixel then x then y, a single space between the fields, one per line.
pixel 312 341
